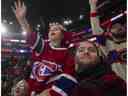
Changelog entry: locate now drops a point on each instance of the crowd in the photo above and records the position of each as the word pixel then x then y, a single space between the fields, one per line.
pixel 96 68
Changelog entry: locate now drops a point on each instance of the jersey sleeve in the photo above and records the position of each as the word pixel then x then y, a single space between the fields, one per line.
pixel 69 67
pixel 35 41
pixel 63 85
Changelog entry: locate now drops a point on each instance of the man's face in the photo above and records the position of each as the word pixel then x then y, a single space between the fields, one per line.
pixel 55 32
pixel 86 55
pixel 118 30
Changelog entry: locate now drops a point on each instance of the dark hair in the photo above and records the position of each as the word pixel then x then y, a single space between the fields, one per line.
pixel 53 19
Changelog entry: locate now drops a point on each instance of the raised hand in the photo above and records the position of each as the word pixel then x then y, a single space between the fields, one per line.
pixel 94 2
pixel 19 10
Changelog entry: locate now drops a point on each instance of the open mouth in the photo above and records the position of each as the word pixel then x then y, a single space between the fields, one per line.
pixel 52 34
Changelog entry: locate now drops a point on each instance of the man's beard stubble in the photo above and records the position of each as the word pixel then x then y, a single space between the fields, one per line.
pixel 82 66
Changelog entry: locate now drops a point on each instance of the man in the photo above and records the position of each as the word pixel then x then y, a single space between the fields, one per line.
pixel 113 42
pixel 49 58
pixel 94 75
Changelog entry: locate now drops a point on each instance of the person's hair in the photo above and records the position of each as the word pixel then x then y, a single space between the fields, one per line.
pixel 60 25
pixel 100 53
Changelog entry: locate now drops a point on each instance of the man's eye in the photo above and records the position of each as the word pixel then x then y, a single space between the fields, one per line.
pixel 81 50
pixel 92 49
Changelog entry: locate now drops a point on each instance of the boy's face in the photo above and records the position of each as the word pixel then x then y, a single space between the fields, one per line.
pixel 55 32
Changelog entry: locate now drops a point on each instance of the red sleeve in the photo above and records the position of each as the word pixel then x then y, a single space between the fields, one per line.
pixel 69 67
pixel 31 38
pixel 35 42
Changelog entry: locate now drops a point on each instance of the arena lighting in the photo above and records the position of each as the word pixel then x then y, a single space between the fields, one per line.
pixel 3 28
pixel 20 41
pixel 66 22
pixel 81 17
pixel 10 22
pixel 23 41
pixel 14 40
pixel 24 33
pixel 70 21
pixel 38 25
pixel 22 51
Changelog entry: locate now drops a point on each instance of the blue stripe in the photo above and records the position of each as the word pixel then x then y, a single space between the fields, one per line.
pixel 65 84
pixel 114 55
pixel 101 40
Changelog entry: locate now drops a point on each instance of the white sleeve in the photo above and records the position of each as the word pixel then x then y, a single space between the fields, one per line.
pixel 95 25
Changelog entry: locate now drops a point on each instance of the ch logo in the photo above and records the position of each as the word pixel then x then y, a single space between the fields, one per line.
pixel 43 70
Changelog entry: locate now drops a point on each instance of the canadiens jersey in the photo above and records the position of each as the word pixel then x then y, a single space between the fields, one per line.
pixel 49 61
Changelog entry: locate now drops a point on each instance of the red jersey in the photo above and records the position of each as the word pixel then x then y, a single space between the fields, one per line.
pixel 47 63
pixel 51 61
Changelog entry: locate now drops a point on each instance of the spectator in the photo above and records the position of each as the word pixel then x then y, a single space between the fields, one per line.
pixel 113 42
pixel 49 58
pixel 94 75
